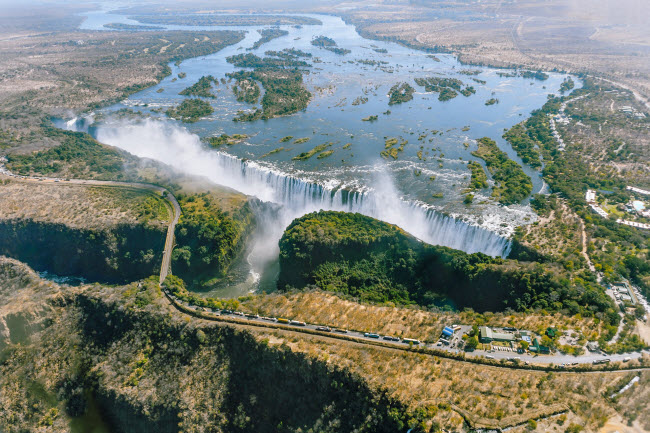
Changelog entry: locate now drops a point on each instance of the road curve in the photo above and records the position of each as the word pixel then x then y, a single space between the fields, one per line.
pixel 174 207
pixel 272 323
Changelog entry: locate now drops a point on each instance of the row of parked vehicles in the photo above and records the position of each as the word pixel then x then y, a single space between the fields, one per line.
pixel 389 338
pixel 299 323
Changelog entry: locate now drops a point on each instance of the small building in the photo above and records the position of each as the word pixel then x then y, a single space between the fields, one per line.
pixel 447 332
pixel 487 335
pixel 536 347
pixel 592 346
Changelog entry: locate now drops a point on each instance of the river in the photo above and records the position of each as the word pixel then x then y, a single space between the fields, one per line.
pixel 422 191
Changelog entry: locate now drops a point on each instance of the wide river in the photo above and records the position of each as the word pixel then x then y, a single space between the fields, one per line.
pixel 422 190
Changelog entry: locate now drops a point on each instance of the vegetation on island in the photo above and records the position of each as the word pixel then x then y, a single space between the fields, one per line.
pixel 367 259
pixel 524 145
pixel 301 140
pixel 536 75
pixel 491 101
pixel 288 53
pixel 190 110
pixel 226 139
pixel 267 35
pixel 400 93
pixel 323 41
pixel 479 178
pixel 306 155
pixel 512 185
pixel 202 88
pixel 284 91
pixel 273 152
pixel 371 118
pixel 567 85
pixel 329 44
pixel 390 150
pixel 447 88
pixel 246 90
pixel 226 20
pixel 131 27
pixel 252 61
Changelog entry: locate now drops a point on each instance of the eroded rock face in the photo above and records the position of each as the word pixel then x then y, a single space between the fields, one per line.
pixel 123 360
pixel 116 254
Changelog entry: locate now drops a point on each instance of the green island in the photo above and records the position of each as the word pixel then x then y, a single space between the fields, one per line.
pixel 512 185
pixel 323 41
pixel 226 20
pixel 288 53
pixel 267 35
pixel 367 259
pixel 246 90
pixel 567 85
pixel 329 44
pixel 360 100
pixel 390 150
pixel 226 139
pixel 301 140
pixel 479 178
pixel 306 155
pixel 202 88
pixel 447 88
pixel 536 75
pixel 371 118
pixel 287 138
pixel 284 91
pixel 525 146
pixel 325 154
pixel 190 110
pixel 272 152
pixel 491 101
pixel 123 26
pixel 399 93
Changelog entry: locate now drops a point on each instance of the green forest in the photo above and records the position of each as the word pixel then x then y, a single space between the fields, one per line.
pixel 370 260
pixel 79 155
pixel 207 239
pixel 202 88
pixel 512 184
pixel 190 110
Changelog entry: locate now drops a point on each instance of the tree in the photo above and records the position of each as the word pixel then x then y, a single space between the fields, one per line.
pixel 472 343
pixel 523 345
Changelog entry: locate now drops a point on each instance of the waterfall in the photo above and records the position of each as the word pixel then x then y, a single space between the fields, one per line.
pixel 175 146
pixel 298 197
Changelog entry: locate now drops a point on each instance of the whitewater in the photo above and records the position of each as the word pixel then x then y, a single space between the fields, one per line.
pixel 173 145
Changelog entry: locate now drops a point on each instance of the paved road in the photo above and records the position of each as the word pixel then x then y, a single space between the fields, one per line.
pixel 361 337
pixel 271 322
pixel 174 207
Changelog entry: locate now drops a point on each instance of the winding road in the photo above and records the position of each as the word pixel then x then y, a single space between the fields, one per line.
pixel 523 361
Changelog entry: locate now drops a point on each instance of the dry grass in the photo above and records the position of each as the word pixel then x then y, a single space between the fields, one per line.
pixel 328 309
pixel 80 206
pixel 490 396
pixel 557 235
pixel 576 35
